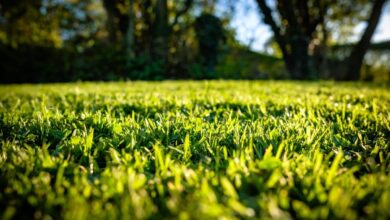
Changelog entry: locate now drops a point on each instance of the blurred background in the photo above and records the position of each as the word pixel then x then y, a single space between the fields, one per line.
pixel 109 40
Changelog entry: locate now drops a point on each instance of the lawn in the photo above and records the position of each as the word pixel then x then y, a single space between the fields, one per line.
pixel 195 150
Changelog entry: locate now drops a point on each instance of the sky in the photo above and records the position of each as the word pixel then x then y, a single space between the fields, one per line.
pixel 252 32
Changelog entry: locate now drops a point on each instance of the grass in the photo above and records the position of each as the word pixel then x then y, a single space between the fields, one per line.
pixel 195 150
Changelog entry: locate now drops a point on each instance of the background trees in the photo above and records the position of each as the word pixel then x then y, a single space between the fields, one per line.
pixel 51 40
pixel 301 26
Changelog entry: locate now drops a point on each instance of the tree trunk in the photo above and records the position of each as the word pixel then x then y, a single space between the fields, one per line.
pixel 355 60
pixel 129 36
pixel 302 68
pixel 295 38
pixel 111 24
pixel 147 31
pixel 160 41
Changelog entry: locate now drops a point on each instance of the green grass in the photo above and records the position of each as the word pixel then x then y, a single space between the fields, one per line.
pixel 195 150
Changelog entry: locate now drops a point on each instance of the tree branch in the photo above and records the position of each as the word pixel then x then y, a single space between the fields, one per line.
pixel 289 14
pixel 358 52
pixel 269 20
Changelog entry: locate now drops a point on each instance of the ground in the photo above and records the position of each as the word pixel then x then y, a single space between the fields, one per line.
pixel 198 150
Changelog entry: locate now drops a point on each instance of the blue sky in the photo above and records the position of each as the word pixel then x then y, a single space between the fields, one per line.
pixel 251 31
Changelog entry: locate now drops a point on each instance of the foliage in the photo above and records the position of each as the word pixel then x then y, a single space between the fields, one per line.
pixel 195 150
pixel 49 23
pixel 210 34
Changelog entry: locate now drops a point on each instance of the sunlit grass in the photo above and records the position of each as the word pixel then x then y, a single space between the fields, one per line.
pixel 198 150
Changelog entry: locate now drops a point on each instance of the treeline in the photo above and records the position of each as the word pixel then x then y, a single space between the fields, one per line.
pixel 68 40
pixel 110 40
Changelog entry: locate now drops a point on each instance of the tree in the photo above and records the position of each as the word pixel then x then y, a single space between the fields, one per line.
pixel 298 26
pixel 121 21
pixel 32 22
pixel 161 33
pixel 294 32
pixel 209 33
pixel 164 29
pixel 154 22
pixel 355 60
